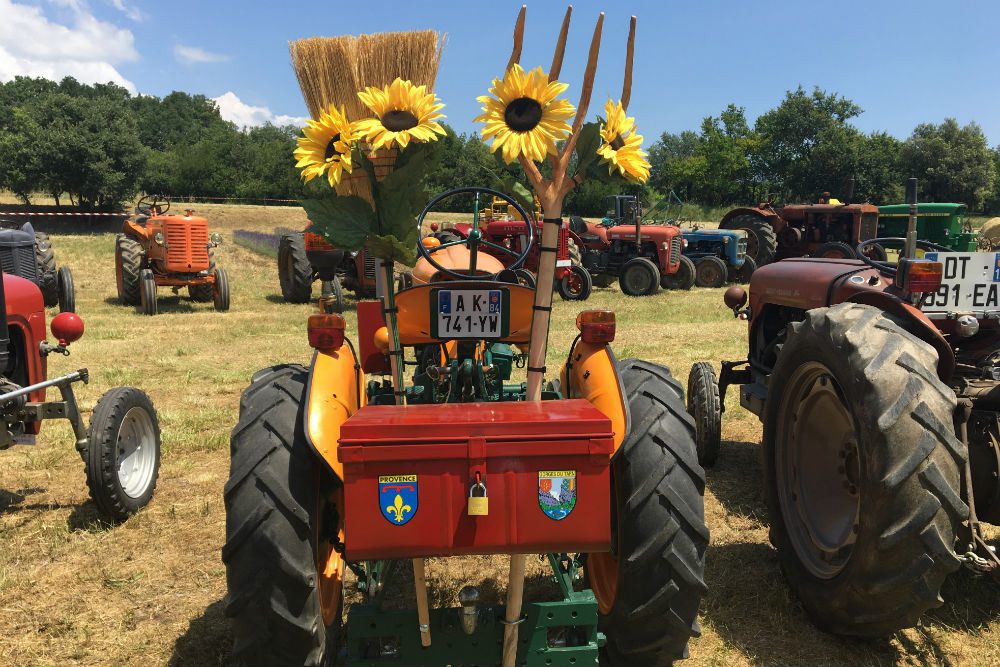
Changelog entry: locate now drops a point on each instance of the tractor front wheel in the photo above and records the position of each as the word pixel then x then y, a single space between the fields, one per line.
pixel 683 278
pixel 743 274
pixel 639 277
pixel 284 573
pixel 295 273
pixel 576 285
pixel 649 586
pixel 710 272
pixel 67 292
pixel 147 296
pixel 703 405
pixel 220 295
pixel 128 265
pixel 333 292
pixel 45 259
pixel 862 471
pixel 762 243
pixel 123 452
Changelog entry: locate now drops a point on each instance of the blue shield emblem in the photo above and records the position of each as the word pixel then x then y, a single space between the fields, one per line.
pixel 397 498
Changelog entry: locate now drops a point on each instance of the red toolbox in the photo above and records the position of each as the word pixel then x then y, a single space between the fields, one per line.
pixel 409 472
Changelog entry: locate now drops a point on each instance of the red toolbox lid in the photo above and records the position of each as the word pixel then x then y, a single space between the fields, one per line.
pixel 508 422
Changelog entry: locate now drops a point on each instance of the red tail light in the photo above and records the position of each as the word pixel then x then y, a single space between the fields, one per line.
pixel 919 275
pixel 326 332
pixel 596 326
pixel 316 243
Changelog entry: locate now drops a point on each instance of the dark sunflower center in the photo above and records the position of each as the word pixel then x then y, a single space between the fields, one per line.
pixel 399 120
pixel 618 143
pixel 331 149
pixel 523 114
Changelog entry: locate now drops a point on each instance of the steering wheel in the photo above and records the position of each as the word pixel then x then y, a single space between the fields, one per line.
pixel 886 267
pixel 483 197
pixel 149 202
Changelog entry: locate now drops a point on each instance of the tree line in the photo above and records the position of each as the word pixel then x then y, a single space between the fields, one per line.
pixel 96 147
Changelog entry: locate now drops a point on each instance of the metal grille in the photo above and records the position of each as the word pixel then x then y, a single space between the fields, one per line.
pixel 675 250
pixel 187 245
pixel 869 226
pixel 741 248
pixel 369 266
pixel 19 260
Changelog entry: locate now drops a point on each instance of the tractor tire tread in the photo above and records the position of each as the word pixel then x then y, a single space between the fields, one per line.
pixel 295 273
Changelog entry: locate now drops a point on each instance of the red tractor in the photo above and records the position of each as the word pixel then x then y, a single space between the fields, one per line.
pixel 120 449
pixel 828 228
pixel 878 386
pixel 305 257
pixel 643 258
pixel 502 230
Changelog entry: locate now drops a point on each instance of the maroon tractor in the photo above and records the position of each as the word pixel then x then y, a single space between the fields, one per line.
pixel 828 228
pixel 305 257
pixel 501 229
pixel 643 258
pixel 878 386
pixel 121 447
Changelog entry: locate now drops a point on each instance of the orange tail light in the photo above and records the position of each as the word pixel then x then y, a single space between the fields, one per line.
pixel 919 275
pixel 596 326
pixel 326 331
pixel 316 243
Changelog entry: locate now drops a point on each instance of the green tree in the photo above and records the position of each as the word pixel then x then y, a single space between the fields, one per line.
pixel 992 206
pixel 877 170
pixel 952 163
pixel 177 119
pixel 807 145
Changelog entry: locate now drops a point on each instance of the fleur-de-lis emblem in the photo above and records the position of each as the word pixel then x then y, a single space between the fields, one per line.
pixel 398 509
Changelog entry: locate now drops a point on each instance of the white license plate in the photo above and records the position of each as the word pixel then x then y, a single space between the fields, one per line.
pixel 970 284
pixel 469 313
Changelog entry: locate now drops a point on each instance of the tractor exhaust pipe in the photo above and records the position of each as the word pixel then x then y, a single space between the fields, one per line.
pixel 849 191
pixel 910 249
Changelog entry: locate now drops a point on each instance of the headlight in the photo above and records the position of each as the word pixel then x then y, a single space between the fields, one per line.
pixel 216 238
pixel 158 238
pixel 725 240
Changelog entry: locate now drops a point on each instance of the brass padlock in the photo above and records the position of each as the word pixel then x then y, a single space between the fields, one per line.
pixel 478 505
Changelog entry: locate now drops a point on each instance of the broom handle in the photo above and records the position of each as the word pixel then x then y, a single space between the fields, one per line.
pixel 515 592
pixel 423 614
pixel 395 358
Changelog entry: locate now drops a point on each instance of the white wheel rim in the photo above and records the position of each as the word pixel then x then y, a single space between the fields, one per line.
pixel 135 452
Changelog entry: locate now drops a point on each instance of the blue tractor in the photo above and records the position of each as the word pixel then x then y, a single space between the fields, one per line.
pixel 719 256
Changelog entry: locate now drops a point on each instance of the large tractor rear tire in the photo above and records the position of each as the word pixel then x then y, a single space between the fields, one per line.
pixel 48 280
pixel 683 278
pixel 649 587
pixel 295 273
pixel 285 579
pixel 128 264
pixel 762 243
pixel 862 471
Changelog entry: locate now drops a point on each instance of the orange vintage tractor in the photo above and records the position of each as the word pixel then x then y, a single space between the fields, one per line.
pixel 335 467
pixel 306 256
pixel 176 251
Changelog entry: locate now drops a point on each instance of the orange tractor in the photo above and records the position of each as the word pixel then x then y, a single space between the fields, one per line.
pixel 176 251
pixel 305 257
pixel 336 468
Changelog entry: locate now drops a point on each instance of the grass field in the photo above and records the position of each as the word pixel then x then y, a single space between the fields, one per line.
pixel 150 591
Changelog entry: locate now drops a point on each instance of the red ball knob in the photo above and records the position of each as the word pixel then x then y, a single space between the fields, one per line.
pixel 67 328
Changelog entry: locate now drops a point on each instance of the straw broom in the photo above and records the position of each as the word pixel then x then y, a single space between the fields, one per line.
pixel 331 71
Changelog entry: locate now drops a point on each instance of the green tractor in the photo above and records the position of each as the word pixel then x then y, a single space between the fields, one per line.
pixel 940 223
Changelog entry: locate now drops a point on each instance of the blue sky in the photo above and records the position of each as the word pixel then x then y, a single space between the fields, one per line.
pixel 902 62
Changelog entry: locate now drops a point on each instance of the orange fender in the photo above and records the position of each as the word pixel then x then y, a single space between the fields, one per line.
pixel 335 392
pixel 593 375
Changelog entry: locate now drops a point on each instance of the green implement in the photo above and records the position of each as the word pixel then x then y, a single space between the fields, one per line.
pixel 943 224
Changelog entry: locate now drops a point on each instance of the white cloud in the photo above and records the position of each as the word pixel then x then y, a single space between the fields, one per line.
pixel 190 55
pixel 235 110
pixel 89 49
pixel 133 13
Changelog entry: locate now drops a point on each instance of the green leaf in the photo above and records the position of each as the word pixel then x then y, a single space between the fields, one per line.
pixel 587 143
pixel 393 249
pixel 345 221
pixel 400 198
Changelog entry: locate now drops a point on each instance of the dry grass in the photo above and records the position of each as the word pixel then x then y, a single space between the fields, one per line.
pixel 75 592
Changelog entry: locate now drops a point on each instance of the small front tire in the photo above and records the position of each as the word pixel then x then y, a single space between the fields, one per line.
pixel 576 285
pixel 67 292
pixel 703 405
pixel 683 278
pixel 639 277
pixel 147 292
pixel 710 272
pixel 221 293
pixel 123 452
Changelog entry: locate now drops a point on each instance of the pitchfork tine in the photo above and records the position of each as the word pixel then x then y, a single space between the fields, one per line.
pixel 629 57
pixel 585 92
pixel 515 55
pixel 557 57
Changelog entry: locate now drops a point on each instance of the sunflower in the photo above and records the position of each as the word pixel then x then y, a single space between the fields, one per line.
pixel 403 113
pixel 622 147
pixel 326 146
pixel 524 117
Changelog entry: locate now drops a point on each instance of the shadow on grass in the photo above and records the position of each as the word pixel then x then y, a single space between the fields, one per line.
pixel 205 641
pixel 737 481
pixel 350 302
